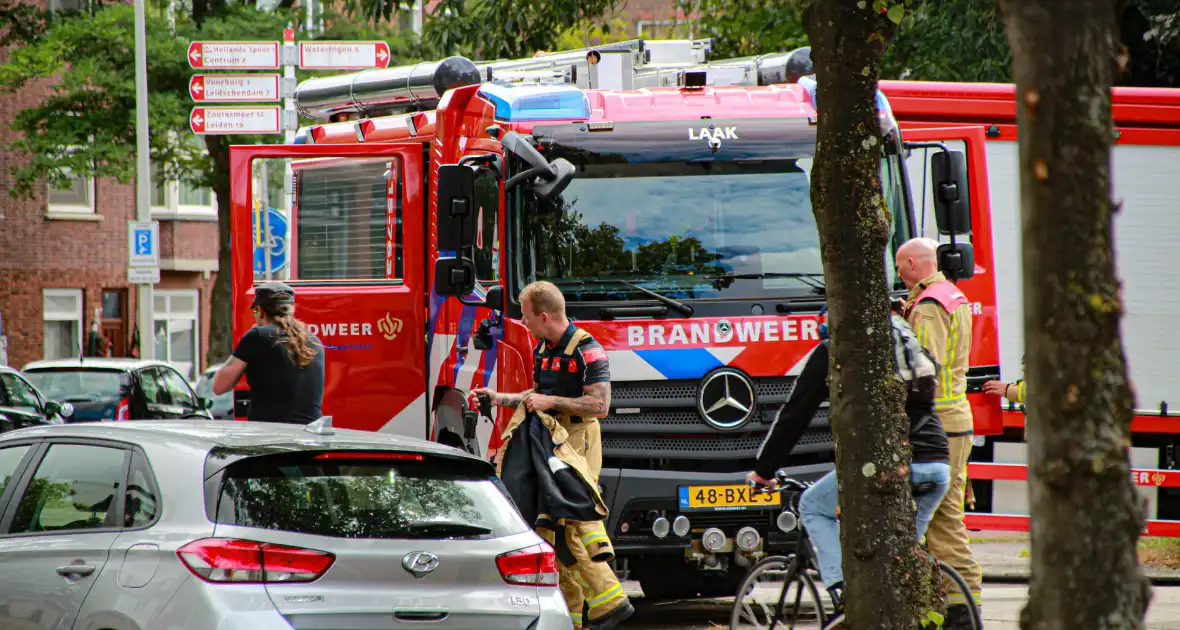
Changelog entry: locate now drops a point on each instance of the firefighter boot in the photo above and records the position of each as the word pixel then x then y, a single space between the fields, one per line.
pixel 572 587
pixel 958 617
pixel 606 602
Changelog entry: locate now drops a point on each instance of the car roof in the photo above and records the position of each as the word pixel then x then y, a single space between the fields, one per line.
pixel 97 363
pixel 234 434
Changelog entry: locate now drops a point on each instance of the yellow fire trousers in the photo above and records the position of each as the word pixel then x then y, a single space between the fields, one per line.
pixel 946 537
pixel 590 581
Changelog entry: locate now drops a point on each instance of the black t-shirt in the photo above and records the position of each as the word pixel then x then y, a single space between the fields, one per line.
pixel 281 391
pixel 927 438
pixel 555 374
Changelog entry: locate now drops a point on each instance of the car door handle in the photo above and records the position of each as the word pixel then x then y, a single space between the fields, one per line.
pixel 81 570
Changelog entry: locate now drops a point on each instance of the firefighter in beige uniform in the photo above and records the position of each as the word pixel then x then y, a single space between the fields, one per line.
pixel 571 375
pixel 940 316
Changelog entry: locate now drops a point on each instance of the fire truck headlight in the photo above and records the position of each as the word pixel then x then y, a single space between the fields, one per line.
pixel 661 527
pixel 680 526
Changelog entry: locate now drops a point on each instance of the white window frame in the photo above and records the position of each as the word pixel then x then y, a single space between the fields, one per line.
pixel 72 208
pixel 75 317
pixel 189 371
pixel 173 209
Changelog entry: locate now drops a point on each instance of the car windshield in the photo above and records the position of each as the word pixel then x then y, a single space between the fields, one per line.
pixel 372 495
pixel 737 224
pixel 79 384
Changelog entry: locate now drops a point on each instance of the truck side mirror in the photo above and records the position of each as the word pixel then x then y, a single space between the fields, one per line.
pixel 456 207
pixel 495 298
pixel 957 260
pixel 952 209
pixel 454 277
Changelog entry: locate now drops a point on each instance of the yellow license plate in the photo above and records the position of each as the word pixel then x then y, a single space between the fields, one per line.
pixel 737 497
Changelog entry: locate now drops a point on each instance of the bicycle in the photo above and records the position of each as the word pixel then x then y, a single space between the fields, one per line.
pixel 801 571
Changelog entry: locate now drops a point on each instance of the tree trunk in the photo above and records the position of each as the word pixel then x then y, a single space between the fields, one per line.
pixel 221 315
pixel 1086 516
pixel 887 584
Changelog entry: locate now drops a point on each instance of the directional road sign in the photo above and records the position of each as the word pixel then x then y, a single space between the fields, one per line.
pixel 343 55
pixel 234 55
pixel 234 88
pixel 230 120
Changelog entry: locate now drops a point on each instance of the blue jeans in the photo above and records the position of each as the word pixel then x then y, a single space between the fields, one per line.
pixel 817 508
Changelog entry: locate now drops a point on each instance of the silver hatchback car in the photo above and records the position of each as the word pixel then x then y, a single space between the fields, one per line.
pixel 257 526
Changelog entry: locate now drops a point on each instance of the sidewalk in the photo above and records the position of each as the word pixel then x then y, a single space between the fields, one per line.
pixel 1004 555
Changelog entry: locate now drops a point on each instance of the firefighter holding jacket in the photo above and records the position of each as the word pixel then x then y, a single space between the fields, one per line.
pixel 571 376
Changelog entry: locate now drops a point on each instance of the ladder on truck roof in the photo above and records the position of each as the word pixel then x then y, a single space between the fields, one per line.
pixel 629 65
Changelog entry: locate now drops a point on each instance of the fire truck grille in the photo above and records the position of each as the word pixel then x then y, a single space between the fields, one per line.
pixel 684 392
pixel 655 425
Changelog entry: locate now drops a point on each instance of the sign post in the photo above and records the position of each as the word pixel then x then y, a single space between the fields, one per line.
pixel 143 191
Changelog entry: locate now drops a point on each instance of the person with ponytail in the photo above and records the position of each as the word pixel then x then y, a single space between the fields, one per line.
pixel 282 361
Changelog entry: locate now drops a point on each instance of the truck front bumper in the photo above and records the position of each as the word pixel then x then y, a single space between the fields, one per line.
pixel 637 498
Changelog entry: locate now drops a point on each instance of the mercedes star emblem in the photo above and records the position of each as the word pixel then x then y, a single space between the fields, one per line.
pixel 419 563
pixel 726 399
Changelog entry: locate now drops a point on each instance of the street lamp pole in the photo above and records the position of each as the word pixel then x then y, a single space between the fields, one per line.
pixel 143 176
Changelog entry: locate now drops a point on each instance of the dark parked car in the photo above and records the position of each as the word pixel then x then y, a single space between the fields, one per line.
pixel 22 405
pixel 223 404
pixel 118 389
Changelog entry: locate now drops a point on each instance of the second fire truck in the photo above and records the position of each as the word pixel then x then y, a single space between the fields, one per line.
pixel 666 195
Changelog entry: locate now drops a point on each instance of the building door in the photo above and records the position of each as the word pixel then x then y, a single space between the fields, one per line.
pixel 114 320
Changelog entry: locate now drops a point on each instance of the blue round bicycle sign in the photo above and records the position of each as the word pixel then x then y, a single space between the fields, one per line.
pixel 275 240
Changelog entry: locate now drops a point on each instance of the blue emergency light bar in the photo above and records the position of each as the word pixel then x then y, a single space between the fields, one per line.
pixel 809 84
pixel 537 102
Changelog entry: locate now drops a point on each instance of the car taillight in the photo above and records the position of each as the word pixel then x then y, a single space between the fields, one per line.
pixel 535 566
pixel 232 560
pixel 124 410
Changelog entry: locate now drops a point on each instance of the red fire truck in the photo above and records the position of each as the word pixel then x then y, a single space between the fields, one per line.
pixel 666 195
pixel 1145 166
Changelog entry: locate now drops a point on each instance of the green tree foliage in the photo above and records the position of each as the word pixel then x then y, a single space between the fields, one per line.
pixel 947 40
pixel 953 40
pixel 749 27
pixel 494 29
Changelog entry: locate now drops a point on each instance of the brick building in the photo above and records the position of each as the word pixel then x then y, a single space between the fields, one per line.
pixel 63 261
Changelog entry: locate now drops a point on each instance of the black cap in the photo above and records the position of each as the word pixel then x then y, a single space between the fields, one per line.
pixel 273 294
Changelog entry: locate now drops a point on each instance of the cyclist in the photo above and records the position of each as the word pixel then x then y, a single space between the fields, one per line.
pixel 818 505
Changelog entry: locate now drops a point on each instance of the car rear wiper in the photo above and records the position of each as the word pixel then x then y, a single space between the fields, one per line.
pixel 447 529
pixel 806 278
pixel 676 304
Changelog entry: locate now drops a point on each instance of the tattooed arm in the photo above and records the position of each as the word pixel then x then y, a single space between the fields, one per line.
pixel 593 403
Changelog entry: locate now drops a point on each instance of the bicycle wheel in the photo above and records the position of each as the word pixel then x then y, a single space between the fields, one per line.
pixel 963 589
pixel 772 597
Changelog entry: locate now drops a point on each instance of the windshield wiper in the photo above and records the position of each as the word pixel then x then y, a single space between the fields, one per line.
pixel 447 529
pixel 676 304
pixel 807 278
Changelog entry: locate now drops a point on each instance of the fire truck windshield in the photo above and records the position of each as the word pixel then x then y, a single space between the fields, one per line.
pixel 707 228
pixel 680 229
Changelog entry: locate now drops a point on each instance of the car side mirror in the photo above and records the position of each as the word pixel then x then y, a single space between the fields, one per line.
pixel 454 277
pixel 952 207
pixel 54 408
pixel 456 207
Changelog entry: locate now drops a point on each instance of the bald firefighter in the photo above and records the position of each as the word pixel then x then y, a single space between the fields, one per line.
pixel 571 377
pixel 940 316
